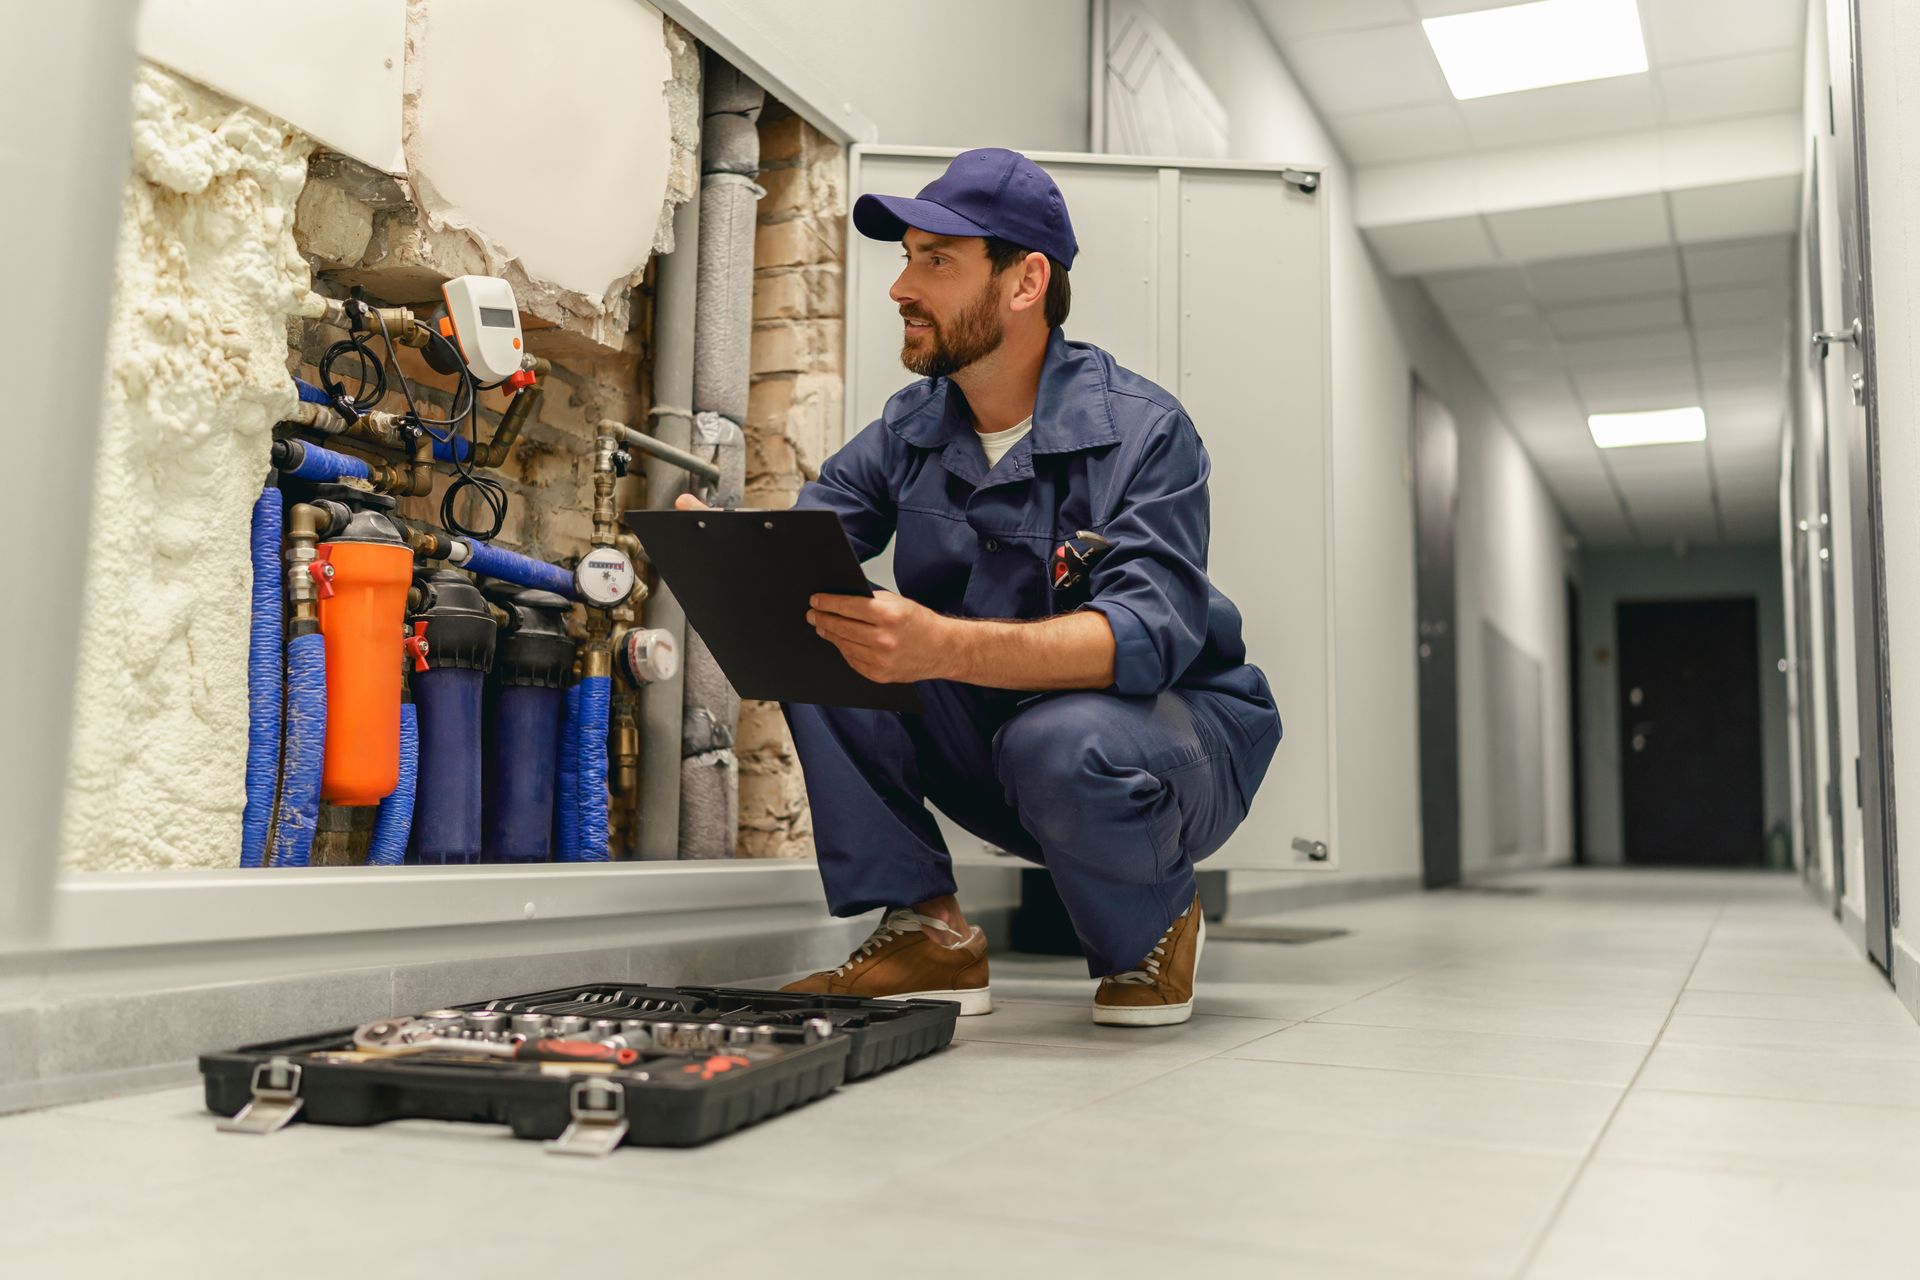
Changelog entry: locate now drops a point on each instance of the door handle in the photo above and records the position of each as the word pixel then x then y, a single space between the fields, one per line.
pixel 1825 338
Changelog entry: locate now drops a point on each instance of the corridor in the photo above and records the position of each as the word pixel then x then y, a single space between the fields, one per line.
pixel 1577 1075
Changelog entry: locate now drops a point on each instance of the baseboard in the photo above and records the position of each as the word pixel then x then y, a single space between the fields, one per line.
pixel 1854 925
pixel 1317 893
pixel 1906 976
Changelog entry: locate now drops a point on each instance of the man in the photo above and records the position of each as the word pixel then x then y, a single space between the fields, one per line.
pixel 1086 695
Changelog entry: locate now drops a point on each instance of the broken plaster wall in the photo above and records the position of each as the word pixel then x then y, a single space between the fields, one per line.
pixel 206 277
pixel 793 415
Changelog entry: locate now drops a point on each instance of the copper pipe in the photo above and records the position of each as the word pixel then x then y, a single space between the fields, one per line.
pixel 521 410
pixel 626 744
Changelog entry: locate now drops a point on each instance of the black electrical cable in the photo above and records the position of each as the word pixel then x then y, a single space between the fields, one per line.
pixel 490 492
pixel 372 378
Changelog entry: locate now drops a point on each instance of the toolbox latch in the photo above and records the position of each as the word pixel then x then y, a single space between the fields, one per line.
pixel 599 1109
pixel 276 1099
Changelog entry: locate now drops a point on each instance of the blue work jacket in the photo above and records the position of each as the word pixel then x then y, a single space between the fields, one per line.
pixel 1109 452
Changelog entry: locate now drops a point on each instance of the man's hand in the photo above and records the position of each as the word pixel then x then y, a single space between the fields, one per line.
pixel 886 638
pixel 687 502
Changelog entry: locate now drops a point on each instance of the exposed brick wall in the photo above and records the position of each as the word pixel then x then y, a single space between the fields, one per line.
pixel 793 415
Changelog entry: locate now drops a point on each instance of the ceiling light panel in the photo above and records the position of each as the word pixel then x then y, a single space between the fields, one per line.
pixel 1655 426
pixel 1531 46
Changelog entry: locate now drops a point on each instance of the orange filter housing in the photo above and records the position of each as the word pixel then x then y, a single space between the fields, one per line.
pixel 362 606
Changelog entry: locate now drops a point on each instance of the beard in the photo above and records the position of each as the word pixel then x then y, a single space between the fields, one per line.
pixel 953 345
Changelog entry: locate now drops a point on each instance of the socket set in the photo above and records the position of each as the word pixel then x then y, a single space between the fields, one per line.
pixel 588 1068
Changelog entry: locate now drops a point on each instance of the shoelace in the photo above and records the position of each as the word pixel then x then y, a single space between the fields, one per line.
pixel 899 921
pixel 1149 971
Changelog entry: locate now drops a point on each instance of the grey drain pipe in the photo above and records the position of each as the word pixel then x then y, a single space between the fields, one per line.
pixel 657 833
pixel 722 368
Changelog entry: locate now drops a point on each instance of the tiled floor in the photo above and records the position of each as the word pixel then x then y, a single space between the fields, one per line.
pixel 1620 1076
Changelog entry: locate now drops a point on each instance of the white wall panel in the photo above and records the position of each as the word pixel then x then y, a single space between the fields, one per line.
pixel 1165 271
pixel 335 75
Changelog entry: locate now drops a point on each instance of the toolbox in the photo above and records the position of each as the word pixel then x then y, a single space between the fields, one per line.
pixel 589 1068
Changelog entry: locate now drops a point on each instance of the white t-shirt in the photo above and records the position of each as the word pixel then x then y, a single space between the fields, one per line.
pixel 996 443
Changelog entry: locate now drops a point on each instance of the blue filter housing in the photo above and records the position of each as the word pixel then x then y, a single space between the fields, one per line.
pixel 531 665
pixel 449 676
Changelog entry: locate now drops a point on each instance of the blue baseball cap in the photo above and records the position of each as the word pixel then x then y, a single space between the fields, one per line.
pixel 988 191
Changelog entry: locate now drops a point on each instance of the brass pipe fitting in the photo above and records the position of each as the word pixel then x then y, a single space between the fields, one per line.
pixel 625 745
pixel 605 531
pixel 306 523
pixel 521 410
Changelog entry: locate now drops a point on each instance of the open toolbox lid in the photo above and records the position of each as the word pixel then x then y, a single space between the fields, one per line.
pixel 704 1062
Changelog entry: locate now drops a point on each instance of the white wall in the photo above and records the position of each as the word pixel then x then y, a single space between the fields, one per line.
pixel 1609 577
pixel 1890 34
pixel 1509 542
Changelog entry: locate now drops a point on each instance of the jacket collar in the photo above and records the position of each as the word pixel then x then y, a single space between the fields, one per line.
pixel 1070 413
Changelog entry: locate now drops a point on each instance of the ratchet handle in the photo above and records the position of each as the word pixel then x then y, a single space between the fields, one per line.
pixel 575 1051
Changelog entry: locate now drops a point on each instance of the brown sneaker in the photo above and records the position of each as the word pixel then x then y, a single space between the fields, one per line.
pixel 911 956
pixel 1160 992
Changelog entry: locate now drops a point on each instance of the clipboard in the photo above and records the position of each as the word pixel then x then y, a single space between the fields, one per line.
pixel 744 578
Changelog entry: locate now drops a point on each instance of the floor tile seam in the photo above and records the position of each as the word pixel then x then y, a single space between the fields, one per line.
pixel 1812 1022
pixel 1527 1035
pixel 1460 1075
pixel 1774 1097
pixel 1422 1071
pixel 1773 1173
pixel 1532 1253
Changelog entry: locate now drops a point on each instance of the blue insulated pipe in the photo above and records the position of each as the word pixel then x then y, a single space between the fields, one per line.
pixel 446 815
pixel 519 791
pixel 311 394
pixel 596 706
pixel 454 448
pixel 306 738
pixel 313 462
pixel 266 679
pixel 490 561
pixel 390 828
pixel 566 784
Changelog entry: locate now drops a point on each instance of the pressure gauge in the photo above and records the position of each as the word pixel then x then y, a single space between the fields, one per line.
pixel 649 656
pixel 605 577
pixel 485 324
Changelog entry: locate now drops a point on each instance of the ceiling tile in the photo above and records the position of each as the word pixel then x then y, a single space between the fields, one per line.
pixel 1714 307
pixel 1752 85
pixel 1648 351
pixel 1442 245
pixel 1589 109
pixel 1442 8
pixel 1600 226
pixel 1421 132
pixel 1635 316
pixel 1737 209
pixel 1612 275
pixel 1457 291
pixel 1739 262
pixel 1742 340
pixel 1694 30
pixel 1630 390
pixel 1367 70
pixel 1291 19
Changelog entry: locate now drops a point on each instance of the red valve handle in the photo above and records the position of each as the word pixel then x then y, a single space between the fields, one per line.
pixel 416 644
pixel 517 379
pixel 321 571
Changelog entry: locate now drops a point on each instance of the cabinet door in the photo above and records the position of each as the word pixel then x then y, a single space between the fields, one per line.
pixel 1210 279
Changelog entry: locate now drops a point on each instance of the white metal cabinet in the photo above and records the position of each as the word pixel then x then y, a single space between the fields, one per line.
pixel 1211 279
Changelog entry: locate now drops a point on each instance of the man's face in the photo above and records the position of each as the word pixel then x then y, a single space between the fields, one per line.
pixel 949 299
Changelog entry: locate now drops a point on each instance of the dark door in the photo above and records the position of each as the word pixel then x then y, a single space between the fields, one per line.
pixel 1872 775
pixel 1690 769
pixel 1436 493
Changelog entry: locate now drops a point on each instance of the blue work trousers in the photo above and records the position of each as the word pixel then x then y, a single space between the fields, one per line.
pixel 1118 796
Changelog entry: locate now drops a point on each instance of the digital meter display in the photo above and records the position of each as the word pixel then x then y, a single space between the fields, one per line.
pixel 497 317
